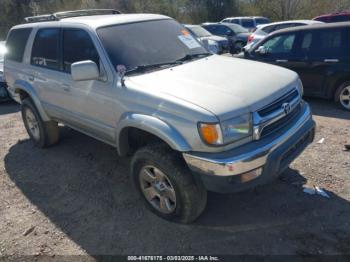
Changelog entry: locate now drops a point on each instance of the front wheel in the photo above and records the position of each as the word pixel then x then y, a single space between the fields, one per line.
pixel 166 184
pixel 342 96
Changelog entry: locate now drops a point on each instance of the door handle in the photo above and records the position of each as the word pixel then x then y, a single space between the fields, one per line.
pixel 66 87
pixel 331 60
pixel 31 78
pixel 281 61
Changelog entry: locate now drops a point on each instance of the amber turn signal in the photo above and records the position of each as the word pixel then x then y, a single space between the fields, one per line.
pixel 211 133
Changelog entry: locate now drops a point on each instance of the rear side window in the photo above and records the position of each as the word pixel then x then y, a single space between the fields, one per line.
pixel 16 43
pixel 248 23
pixel 77 46
pixel 321 44
pixel 45 52
pixel 268 29
pixel 340 18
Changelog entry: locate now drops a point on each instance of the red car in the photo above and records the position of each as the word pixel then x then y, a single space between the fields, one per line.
pixel 333 18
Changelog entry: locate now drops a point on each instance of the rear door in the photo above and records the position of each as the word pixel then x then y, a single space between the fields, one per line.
pixel 44 68
pixel 320 55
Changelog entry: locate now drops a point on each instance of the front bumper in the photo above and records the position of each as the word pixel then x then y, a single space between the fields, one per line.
pixel 231 171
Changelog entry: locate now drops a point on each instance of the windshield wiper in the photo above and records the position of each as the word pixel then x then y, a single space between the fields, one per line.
pixel 142 68
pixel 191 57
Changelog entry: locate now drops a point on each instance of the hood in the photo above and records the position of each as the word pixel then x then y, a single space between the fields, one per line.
pixel 225 86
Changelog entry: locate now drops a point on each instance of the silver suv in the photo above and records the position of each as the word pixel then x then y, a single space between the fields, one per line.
pixel 191 121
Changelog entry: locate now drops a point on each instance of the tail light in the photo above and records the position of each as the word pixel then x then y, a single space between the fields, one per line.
pixel 250 38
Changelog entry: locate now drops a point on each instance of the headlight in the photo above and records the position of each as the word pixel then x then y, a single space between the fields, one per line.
pixel 300 87
pixel 226 132
pixel 236 128
pixel 213 46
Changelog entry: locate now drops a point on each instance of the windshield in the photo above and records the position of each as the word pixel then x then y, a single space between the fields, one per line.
pixel 2 51
pixel 237 28
pixel 262 21
pixel 148 43
pixel 199 31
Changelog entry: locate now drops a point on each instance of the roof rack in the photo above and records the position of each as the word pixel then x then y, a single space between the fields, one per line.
pixel 60 15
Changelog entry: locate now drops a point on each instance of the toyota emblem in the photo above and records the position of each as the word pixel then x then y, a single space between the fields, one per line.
pixel 286 108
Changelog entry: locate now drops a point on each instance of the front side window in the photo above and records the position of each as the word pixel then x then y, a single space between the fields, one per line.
pixel 77 46
pixel 281 44
pixel 45 52
pixel 16 43
pixel 148 43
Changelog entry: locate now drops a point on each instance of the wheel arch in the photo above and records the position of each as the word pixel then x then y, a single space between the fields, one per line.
pixel 151 127
pixel 335 85
pixel 25 90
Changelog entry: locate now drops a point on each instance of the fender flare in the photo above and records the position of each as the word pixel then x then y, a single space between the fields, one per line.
pixel 24 86
pixel 152 125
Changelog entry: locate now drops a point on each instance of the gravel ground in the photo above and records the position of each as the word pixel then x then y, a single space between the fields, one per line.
pixel 75 198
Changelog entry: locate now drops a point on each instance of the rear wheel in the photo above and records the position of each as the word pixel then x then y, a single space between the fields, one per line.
pixel 342 96
pixel 42 133
pixel 166 184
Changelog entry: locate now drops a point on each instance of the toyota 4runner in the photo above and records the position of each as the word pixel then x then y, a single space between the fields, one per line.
pixel 191 121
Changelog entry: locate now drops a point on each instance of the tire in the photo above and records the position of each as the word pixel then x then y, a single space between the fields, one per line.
pixel 342 92
pixel 43 134
pixel 190 196
pixel 238 46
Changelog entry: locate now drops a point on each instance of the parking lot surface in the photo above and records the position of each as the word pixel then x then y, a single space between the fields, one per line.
pixel 76 198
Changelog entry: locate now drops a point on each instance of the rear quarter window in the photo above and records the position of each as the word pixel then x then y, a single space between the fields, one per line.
pixel 16 43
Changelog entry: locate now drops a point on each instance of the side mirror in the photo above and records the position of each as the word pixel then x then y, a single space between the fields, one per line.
pixel 262 50
pixel 85 70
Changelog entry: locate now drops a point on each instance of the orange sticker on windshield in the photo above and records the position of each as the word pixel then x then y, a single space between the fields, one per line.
pixel 185 32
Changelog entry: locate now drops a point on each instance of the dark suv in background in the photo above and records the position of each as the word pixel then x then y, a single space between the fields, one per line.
pixel 320 54
pixel 236 34
pixel 334 18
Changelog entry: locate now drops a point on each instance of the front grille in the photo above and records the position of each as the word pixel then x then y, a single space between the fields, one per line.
pixel 277 115
pixel 278 104
pixel 283 122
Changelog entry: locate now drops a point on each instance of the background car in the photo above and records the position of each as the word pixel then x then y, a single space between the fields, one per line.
pixel 247 22
pixel 318 53
pixel 263 30
pixel 334 18
pixel 3 90
pixel 213 43
pixel 236 34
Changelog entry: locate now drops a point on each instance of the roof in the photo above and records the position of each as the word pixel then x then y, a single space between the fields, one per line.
pixel 306 22
pixel 333 14
pixel 97 21
pixel 244 17
pixel 314 27
pixel 239 17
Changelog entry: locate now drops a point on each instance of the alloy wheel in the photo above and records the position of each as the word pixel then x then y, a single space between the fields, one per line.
pixel 32 123
pixel 157 189
pixel 344 97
